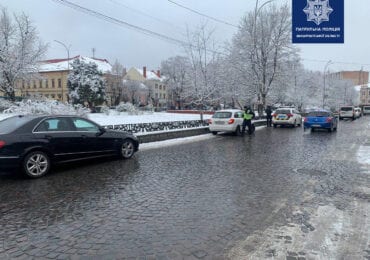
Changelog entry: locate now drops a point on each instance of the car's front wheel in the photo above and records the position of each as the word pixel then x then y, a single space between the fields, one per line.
pixel 127 149
pixel 214 132
pixel 36 164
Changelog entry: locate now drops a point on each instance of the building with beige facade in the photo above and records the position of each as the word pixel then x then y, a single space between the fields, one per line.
pixel 156 89
pixel 51 80
pixel 359 79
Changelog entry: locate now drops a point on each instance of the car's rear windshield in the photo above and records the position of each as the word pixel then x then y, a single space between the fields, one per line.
pixel 318 114
pixel 346 108
pixel 222 115
pixel 283 111
pixel 10 124
pixel 366 108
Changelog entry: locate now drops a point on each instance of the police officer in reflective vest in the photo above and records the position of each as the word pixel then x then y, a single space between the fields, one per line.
pixel 248 115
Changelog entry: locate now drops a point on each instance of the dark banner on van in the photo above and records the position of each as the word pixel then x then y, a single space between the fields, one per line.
pixel 318 21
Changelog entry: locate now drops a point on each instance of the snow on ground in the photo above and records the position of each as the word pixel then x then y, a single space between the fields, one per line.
pixel 126 118
pixel 363 155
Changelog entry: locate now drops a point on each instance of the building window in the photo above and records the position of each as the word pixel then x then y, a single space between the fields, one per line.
pixel 156 86
pixel 59 83
pixel 53 83
pixel 34 83
pixel 46 83
pixel 160 87
pixel 164 87
pixel 59 96
pixel 40 83
pixel 28 84
pixel 23 84
pixel 156 95
pixel 47 95
pixel 164 96
pixel 52 95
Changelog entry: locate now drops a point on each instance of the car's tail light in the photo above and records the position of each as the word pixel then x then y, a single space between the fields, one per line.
pixel 274 115
pixel 231 121
pixel 290 115
pixel 2 144
pixel 328 120
pixel 210 121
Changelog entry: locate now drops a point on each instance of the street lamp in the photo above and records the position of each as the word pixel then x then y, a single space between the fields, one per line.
pixel 324 90
pixel 67 49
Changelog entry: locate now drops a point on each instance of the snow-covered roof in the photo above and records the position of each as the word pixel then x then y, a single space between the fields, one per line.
pixel 62 64
pixel 150 75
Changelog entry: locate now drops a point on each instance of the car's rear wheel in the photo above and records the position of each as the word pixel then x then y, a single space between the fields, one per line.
pixel 36 164
pixel 238 131
pixel 127 149
pixel 214 132
pixel 331 129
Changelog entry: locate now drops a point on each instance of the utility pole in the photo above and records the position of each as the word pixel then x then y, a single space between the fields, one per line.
pixel 93 51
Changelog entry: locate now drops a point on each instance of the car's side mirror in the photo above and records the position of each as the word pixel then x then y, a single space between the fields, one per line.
pixel 101 131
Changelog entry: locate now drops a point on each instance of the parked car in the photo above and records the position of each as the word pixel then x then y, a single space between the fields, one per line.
pixel 36 143
pixel 358 112
pixel 366 110
pixel 321 119
pixel 286 116
pixel 347 112
pixel 228 120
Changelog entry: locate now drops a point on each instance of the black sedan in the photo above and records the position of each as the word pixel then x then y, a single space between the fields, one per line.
pixel 35 143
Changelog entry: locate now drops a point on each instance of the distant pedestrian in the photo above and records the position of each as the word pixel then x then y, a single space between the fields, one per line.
pixel 268 112
pixel 248 115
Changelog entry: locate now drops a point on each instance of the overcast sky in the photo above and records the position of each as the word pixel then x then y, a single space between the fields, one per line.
pixel 131 48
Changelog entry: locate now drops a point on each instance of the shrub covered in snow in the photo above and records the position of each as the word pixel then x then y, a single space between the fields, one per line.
pixel 45 106
pixel 126 107
pixel 4 104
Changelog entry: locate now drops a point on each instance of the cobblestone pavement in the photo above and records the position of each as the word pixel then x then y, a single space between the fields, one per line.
pixel 279 194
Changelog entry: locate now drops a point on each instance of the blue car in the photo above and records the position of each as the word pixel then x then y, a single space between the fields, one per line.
pixel 321 119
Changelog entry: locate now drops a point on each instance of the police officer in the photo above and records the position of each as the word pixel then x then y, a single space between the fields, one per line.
pixel 268 116
pixel 248 115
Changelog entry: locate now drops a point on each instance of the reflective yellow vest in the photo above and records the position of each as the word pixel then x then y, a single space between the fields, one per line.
pixel 247 115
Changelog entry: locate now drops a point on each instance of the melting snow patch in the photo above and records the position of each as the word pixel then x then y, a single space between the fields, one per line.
pixel 363 155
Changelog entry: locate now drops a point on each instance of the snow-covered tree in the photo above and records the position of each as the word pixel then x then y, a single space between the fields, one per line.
pixel 261 47
pixel 133 90
pixel 202 56
pixel 175 70
pixel 115 80
pixel 20 50
pixel 86 84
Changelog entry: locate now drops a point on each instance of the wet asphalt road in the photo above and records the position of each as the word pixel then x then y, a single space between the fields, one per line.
pixel 200 200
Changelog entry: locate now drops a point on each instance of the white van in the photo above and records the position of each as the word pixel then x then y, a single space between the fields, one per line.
pixel 347 112
pixel 366 110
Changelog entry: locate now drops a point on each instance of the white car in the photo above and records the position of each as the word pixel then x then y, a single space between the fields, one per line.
pixel 347 112
pixel 229 120
pixel 366 110
pixel 286 116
